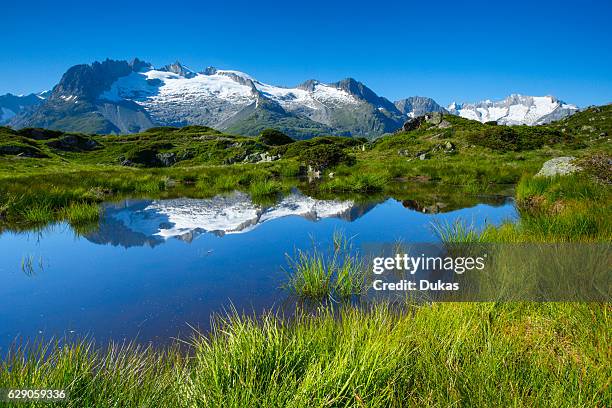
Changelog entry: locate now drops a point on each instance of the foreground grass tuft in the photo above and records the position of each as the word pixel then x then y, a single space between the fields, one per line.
pixel 339 272
pixel 488 354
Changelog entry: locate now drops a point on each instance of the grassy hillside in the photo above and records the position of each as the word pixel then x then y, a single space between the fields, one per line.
pixel 60 169
pixel 198 145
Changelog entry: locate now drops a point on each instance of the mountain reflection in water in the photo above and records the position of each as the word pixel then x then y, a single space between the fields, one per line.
pixel 146 222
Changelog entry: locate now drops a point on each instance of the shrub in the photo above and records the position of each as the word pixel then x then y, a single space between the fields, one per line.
pixel 516 138
pixel 273 137
pixel 147 155
pixel 20 149
pixel 324 156
pixel 39 134
pixel 598 165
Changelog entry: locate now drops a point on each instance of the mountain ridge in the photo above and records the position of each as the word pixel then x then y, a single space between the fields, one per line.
pixel 515 109
pixel 115 96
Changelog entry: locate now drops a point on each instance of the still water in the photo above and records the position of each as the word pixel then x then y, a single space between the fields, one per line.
pixel 153 268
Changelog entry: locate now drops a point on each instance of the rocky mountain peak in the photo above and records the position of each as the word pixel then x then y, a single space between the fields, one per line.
pixel 210 71
pixel 122 97
pixel 139 65
pixel 308 85
pixel 356 88
pixel 360 91
pixel 239 77
pixel 87 81
pixel 179 69
pixel 418 105
pixel 515 109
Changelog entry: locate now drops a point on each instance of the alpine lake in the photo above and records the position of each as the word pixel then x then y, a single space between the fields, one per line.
pixel 154 270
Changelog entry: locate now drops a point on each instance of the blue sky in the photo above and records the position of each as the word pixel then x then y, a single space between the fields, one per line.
pixel 460 50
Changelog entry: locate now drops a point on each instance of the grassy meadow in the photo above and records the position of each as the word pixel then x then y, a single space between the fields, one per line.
pixel 440 354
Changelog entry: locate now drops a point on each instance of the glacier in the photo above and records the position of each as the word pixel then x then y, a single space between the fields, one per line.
pixel 516 109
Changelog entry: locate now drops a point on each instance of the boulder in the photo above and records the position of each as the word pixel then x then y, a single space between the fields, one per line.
pixel 559 166
pixel 313 174
pixel 264 157
pixel 166 159
pixel 444 124
pixel 412 124
pixel 435 118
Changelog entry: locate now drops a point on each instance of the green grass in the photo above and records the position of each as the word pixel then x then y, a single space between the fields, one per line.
pixel 91 170
pixel 572 208
pixel 458 232
pixel 263 189
pixel 338 272
pixel 81 213
pixel 310 275
pixel 357 183
pixel 487 354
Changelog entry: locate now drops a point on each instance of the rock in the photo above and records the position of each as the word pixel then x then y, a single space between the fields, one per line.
pixel 210 71
pixel 435 118
pixel 331 175
pixel 417 206
pixel 423 156
pixel 74 143
pixel 558 166
pixel 264 157
pixel 166 159
pixel 169 182
pixel 434 208
pixel 412 124
pixel 313 174
pixel 444 124
pixel 252 158
pixel 403 153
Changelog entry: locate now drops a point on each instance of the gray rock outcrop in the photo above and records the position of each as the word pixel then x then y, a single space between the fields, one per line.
pixel 559 166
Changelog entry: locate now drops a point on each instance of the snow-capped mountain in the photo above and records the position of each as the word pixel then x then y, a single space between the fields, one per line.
pixel 125 97
pixel 515 110
pixel 135 223
pixel 12 105
pixel 418 105
pixel 120 97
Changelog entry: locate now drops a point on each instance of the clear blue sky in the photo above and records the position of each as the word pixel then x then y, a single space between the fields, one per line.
pixel 458 50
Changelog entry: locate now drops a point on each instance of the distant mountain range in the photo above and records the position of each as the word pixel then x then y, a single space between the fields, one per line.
pixel 516 110
pixel 12 105
pixel 126 97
